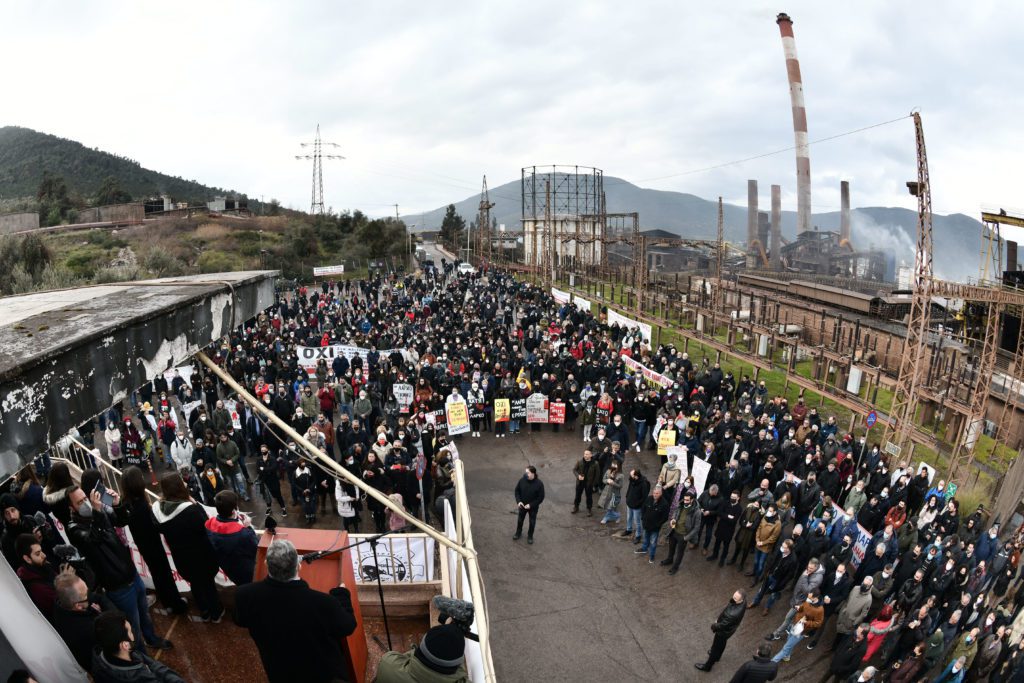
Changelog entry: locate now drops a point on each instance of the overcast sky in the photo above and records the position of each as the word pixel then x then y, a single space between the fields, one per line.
pixel 425 98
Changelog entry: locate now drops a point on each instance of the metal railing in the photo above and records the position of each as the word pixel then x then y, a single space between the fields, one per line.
pixel 80 457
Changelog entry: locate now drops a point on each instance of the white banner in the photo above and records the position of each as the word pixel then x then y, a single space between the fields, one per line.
pixel 650 375
pixel 400 558
pixel 185 371
pixel 309 355
pixel 581 303
pixel 629 323
pixel 328 270
pixel 560 296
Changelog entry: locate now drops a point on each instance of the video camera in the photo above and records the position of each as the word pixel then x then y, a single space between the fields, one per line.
pixel 461 613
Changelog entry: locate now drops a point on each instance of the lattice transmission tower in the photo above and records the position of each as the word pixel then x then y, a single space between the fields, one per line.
pixel 317 156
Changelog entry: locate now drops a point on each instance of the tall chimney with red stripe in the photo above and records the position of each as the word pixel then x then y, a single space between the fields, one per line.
pixel 796 96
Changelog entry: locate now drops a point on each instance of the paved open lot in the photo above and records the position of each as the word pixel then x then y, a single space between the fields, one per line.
pixel 578 604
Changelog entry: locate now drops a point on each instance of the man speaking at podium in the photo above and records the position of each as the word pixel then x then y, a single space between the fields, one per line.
pixel 300 632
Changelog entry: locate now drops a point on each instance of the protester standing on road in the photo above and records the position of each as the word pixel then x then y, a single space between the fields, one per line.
pixel 652 517
pixel 760 669
pixel 588 472
pixel 529 495
pixel 723 628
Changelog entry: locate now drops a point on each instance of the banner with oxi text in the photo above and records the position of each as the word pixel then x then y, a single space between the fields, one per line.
pixel 629 323
pixel 501 410
pixel 639 368
pixel 308 356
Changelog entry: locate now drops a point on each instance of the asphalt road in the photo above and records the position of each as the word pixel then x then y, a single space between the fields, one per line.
pixel 578 604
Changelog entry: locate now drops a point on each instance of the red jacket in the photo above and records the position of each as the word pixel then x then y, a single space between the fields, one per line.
pixel 39 585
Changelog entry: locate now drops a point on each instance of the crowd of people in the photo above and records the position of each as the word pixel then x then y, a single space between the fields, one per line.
pixel 916 589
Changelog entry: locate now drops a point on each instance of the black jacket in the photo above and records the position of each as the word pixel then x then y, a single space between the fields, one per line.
pixel 530 492
pixel 78 632
pixel 144 669
pixel 654 514
pixel 637 492
pixel 781 569
pixel 728 517
pixel 848 656
pixel 729 620
pixel 109 558
pixel 835 591
pixel 757 670
pixel 300 632
pixel 183 525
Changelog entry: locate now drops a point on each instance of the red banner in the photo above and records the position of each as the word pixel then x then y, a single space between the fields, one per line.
pixel 556 413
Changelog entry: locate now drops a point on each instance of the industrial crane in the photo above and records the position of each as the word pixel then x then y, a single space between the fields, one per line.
pixel 905 398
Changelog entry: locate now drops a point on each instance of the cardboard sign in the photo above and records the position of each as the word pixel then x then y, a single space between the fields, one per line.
pixel 457 414
pixel 502 410
pixel 666 439
pixel 701 470
pixel 232 407
pixel 556 413
pixel 537 409
pixel 403 393
pixel 517 408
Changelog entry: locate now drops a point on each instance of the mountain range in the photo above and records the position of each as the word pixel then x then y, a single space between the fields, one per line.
pixel 26 154
pixel 957 238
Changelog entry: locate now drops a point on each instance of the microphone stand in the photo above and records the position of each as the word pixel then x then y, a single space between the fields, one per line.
pixel 309 558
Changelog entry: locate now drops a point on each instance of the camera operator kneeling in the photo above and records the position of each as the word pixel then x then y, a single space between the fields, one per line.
pixel 439 658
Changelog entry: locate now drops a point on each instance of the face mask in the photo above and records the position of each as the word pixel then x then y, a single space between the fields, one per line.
pixel 865 589
pixel 886 574
pixel 85 509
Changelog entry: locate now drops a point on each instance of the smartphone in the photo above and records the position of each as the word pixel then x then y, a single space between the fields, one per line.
pixel 105 496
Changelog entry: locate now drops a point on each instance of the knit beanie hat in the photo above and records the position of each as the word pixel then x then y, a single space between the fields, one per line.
pixel 8 500
pixel 443 648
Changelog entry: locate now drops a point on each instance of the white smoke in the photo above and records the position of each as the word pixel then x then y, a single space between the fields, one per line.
pixel 867 234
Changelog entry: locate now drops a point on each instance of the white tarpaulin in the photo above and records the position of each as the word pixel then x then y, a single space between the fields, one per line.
pixel 560 296
pixel 474 658
pixel 629 323
pixel 400 558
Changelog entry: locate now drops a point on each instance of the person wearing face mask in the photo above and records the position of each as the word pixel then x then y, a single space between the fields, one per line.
pixel 91 531
pixel 476 403
pixel 853 612
pixel 724 627
pixel 728 517
pixel 835 587
pixel 807 620
pixel 765 538
pixel 965 649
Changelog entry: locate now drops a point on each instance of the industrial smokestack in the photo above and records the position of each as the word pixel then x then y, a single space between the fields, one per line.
pixel 751 220
pixel 844 211
pixel 776 255
pixel 796 96
pixel 1011 256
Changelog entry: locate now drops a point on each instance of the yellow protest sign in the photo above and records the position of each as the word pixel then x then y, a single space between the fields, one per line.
pixel 666 439
pixel 502 409
pixel 458 417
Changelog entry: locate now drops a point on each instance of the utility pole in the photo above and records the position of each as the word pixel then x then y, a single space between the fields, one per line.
pixel 317 156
